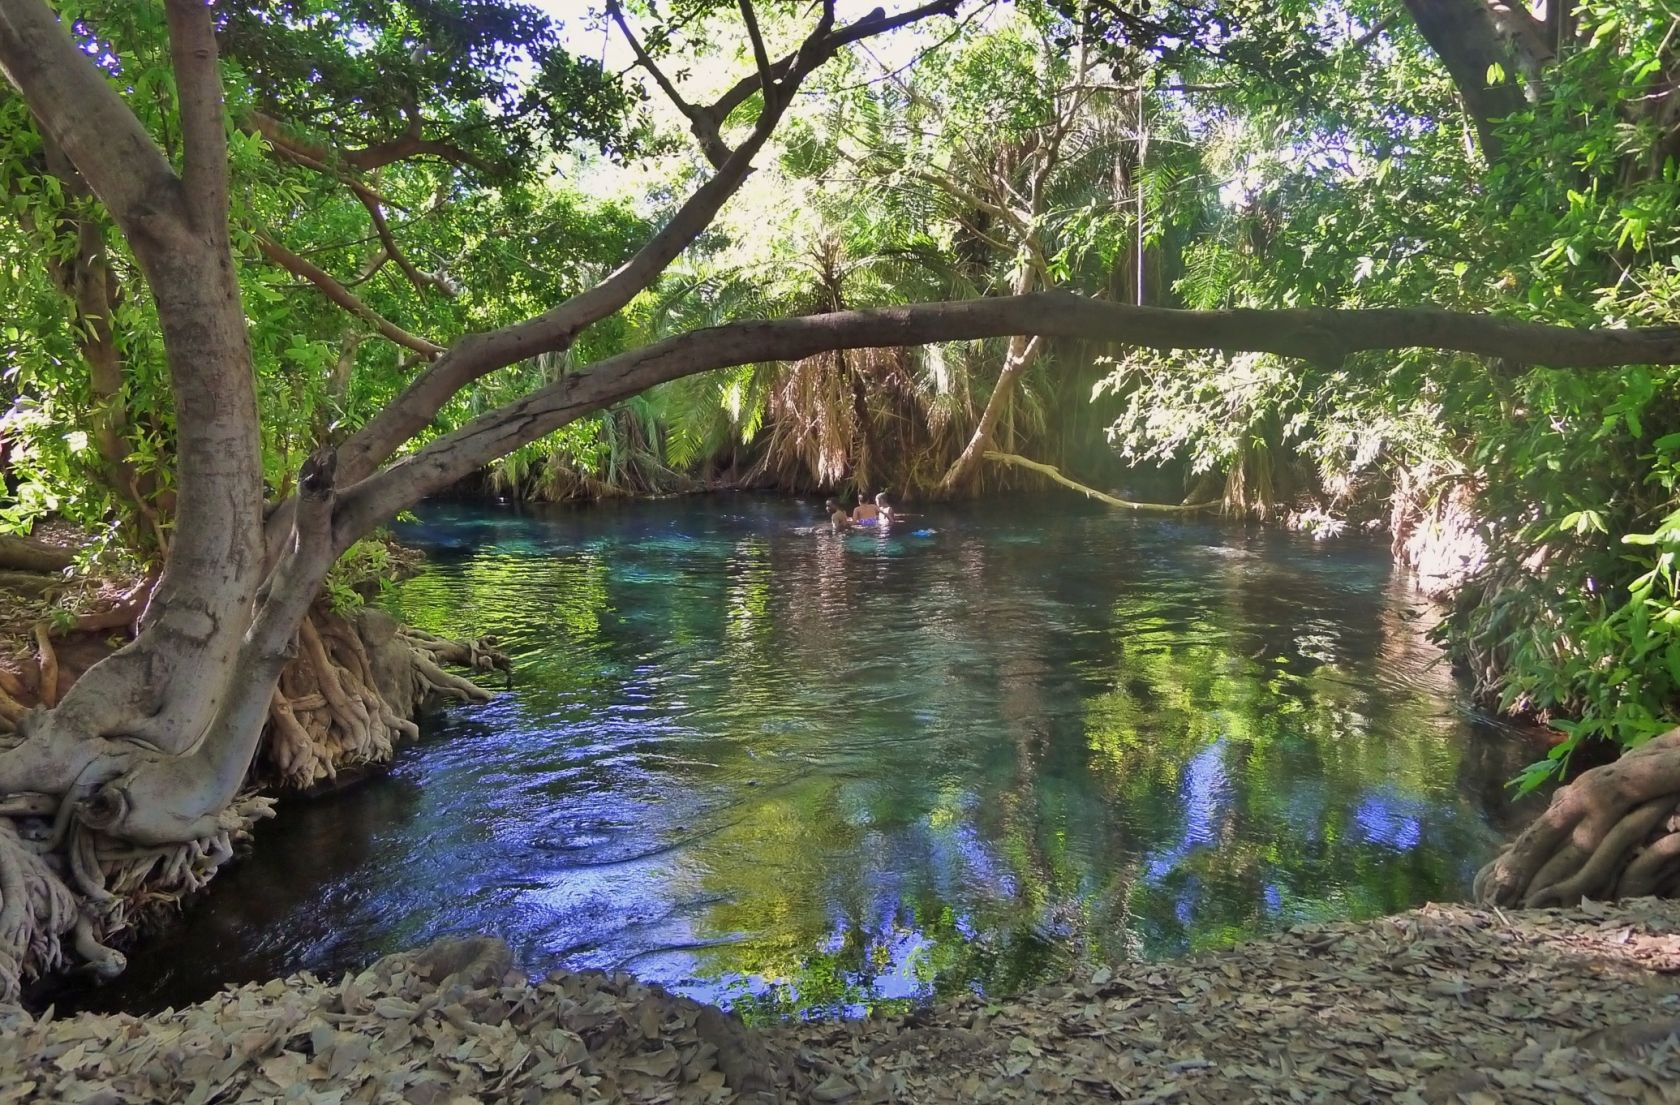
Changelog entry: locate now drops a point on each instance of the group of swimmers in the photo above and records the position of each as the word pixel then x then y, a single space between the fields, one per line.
pixel 877 513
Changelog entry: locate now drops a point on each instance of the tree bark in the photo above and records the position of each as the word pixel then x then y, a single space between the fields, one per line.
pixel 167 685
pixel 1466 35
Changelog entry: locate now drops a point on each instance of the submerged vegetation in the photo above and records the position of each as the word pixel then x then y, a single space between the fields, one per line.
pixel 276 271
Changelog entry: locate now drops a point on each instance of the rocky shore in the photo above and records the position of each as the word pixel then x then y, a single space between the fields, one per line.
pixel 1442 1004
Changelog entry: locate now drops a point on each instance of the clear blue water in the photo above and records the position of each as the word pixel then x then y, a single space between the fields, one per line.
pixel 795 772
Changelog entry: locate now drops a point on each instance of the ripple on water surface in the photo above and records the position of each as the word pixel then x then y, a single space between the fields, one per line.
pixel 771 766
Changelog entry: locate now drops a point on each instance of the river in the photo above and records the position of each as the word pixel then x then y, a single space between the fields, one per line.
pixel 799 773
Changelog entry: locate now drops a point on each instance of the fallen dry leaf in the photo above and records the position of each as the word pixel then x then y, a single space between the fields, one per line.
pixel 1443 1004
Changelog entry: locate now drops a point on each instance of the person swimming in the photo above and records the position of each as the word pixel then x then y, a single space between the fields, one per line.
pixel 838 518
pixel 876 513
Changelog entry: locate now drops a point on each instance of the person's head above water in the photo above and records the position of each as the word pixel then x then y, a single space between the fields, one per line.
pixel 831 506
pixel 881 499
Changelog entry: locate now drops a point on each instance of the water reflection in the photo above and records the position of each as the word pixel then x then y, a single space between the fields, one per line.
pixel 801 772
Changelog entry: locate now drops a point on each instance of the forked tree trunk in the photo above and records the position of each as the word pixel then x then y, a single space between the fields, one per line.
pixel 165 687
pixel 152 743
pixel 141 762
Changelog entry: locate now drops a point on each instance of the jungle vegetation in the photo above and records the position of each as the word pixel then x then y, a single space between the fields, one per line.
pixel 278 270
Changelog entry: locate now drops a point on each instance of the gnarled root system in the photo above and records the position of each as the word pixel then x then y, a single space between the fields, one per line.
pixel 350 695
pixel 85 854
pixel 1612 833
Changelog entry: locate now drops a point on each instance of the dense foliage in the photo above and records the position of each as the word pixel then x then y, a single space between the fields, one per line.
pixel 1376 199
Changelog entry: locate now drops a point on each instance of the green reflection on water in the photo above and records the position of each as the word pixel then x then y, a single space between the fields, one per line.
pixel 879 770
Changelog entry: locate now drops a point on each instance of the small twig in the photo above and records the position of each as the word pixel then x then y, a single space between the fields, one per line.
pixel 421 280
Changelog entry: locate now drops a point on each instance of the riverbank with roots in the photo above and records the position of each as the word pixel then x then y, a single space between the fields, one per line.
pixel 1441 1004
pixel 1611 832
pixel 71 893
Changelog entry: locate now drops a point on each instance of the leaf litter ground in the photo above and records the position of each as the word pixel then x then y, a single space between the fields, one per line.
pixel 1443 1004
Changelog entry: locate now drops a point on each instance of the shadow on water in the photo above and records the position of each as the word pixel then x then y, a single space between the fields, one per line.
pixel 795 772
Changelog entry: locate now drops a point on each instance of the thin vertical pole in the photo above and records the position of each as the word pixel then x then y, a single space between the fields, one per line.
pixel 1142 152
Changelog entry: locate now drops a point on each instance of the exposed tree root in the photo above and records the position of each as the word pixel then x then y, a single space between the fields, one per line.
pixel 338 705
pixel 475 655
pixel 122 612
pixel 36 908
pixel 11 710
pixel 1613 832
pixel 26 555
pixel 47 659
pixel 69 888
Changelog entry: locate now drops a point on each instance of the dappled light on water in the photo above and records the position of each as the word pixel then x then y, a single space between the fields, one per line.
pixel 795 772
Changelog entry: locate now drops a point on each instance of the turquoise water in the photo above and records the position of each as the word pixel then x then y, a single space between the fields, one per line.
pixel 799 773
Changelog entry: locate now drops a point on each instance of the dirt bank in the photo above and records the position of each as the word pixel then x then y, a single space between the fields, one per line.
pixel 1440 1004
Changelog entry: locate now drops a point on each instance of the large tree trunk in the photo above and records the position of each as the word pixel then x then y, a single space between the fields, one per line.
pixel 1472 36
pixel 165 687
pixel 90 871
pixel 150 746
pixel 140 763
pixel 142 759
pixel 162 690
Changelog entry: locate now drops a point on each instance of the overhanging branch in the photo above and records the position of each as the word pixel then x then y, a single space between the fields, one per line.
pixel 555 329
pixel 1317 335
pixel 410 143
